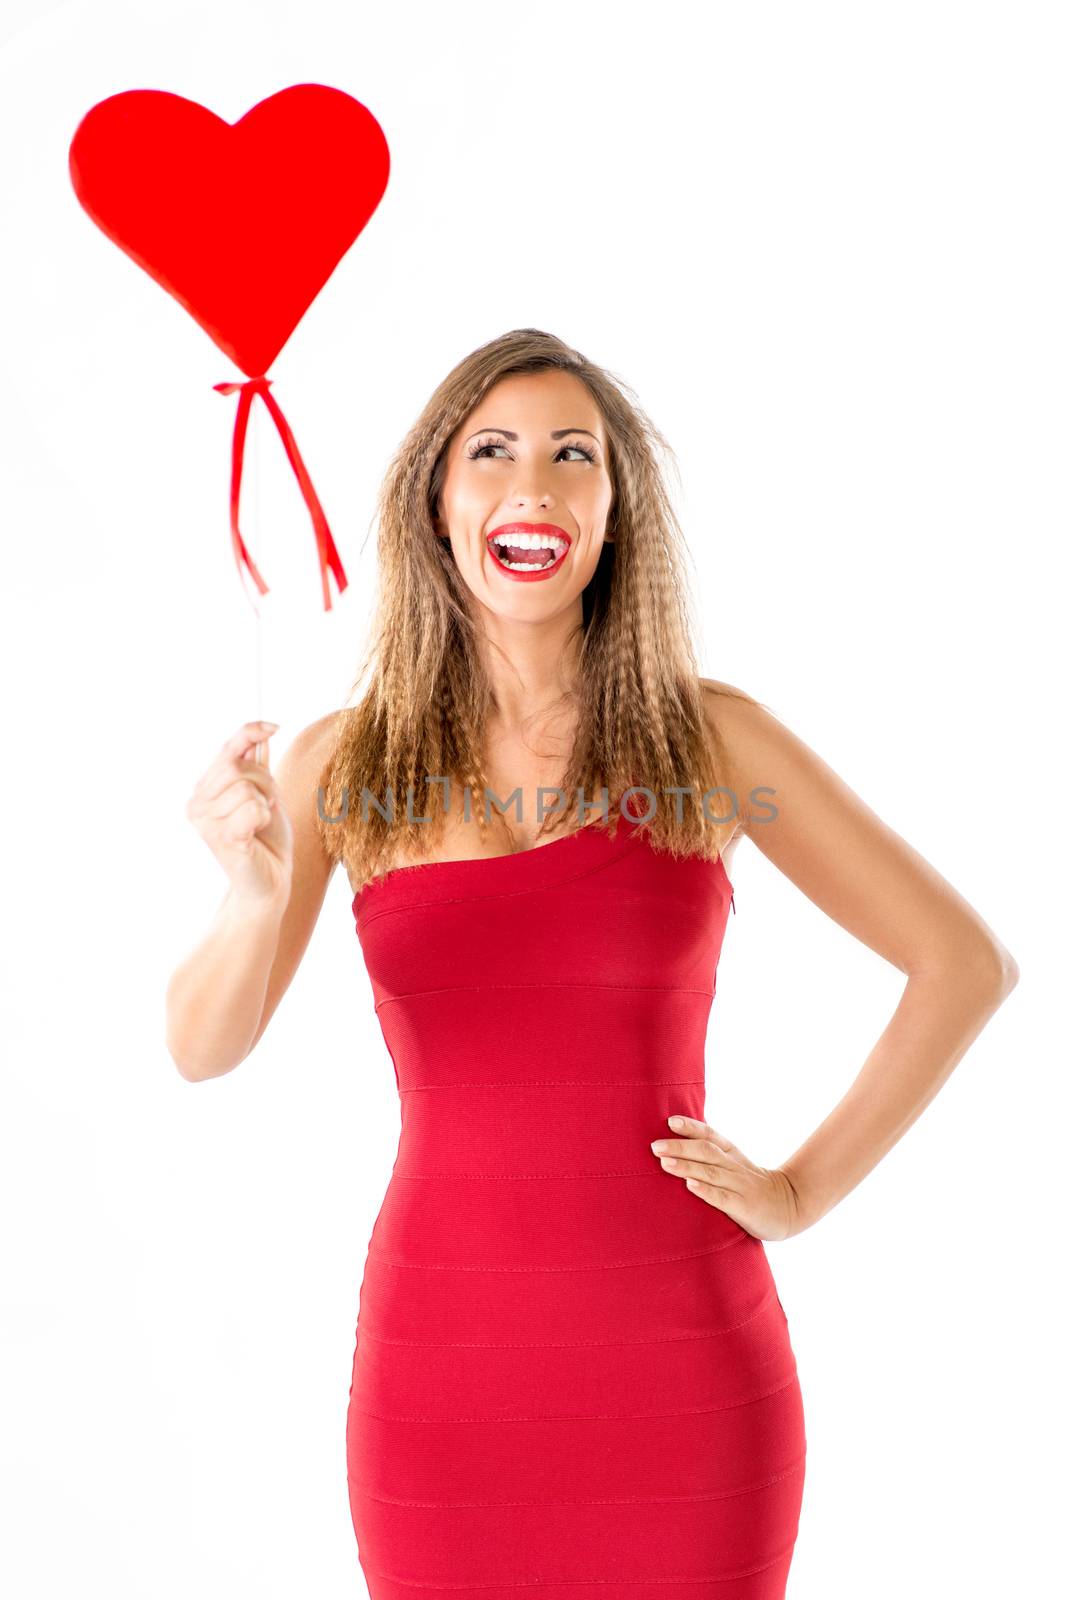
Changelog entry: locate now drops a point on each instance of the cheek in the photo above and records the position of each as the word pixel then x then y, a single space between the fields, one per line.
pixel 592 506
pixel 471 510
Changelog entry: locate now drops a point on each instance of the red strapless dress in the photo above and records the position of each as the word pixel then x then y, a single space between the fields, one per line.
pixel 573 1377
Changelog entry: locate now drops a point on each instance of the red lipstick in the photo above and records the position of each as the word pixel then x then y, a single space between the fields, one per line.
pixel 534 561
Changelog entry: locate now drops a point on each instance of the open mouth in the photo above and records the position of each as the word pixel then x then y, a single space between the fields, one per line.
pixel 517 550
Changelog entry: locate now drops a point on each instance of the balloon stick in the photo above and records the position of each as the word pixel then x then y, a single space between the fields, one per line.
pixel 261 753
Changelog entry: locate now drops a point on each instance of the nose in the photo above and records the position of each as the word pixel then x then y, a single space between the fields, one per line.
pixel 521 502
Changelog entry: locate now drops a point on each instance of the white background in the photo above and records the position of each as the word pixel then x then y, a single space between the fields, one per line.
pixel 839 252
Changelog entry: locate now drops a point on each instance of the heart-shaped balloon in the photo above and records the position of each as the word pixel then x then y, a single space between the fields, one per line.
pixel 243 222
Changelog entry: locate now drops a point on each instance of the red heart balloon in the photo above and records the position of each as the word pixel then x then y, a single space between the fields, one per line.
pixel 243 223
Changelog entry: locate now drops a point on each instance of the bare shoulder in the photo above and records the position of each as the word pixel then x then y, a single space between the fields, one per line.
pixel 746 731
pixel 316 741
pixel 724 701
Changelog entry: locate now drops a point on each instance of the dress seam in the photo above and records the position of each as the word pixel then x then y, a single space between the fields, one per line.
pixel 592 1266
pixel 556 1083
pixel 586 1500
pixel 463 988
pixel 572 1344
pixel 589 1416
pixel 525 1177
pixel 536 1583
pixel 502 894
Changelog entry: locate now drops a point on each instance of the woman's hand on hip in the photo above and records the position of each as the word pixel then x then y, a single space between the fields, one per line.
pixel 762 1200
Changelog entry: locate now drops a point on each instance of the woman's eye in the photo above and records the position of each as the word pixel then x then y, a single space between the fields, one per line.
pixel 480 450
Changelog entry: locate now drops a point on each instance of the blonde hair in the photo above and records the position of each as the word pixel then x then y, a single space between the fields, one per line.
pixel 641 719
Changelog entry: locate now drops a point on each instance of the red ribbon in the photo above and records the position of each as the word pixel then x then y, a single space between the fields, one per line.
pixel 327 554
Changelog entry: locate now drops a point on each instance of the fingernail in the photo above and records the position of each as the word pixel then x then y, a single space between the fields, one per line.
pixel 271 726
pixel 676 1122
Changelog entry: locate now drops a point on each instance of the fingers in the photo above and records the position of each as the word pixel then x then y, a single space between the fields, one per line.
pixel 243 811
pixel 248 747
pixel 710 1192
pixel 236 797
pixel 698 1150
pixel 225 788
pixel 709 1159
pixel 708 1172
pixel 700 1129
pixel 248 735
pixel 242 825
pixel 237 793
pixel 235 761
pixel 237 810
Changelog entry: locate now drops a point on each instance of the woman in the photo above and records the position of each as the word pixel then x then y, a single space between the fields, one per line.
pixel 572 1367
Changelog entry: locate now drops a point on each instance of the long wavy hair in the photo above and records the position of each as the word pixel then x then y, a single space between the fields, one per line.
pixel 426 694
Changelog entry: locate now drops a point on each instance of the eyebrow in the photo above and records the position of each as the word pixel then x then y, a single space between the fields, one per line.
pixel 558 433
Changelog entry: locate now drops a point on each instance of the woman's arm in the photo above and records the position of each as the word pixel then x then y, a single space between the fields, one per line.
pixel 876 886
pixel 222 996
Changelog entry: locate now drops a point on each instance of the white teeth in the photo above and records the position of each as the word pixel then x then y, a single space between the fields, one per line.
pixel 531 541
pixel 528 566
